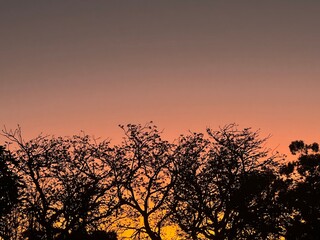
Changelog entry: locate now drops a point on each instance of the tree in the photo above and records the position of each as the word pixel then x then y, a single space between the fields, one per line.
pixel 226 186
pixel 222 185
pixel 9 191
pixel 68 184
pixel 302 196
pixel 299 146
pixel 8 183
pixel 142 166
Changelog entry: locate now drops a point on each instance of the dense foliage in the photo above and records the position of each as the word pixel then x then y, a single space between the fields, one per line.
pixel 9 192
pixel 220 185
pixel 302 198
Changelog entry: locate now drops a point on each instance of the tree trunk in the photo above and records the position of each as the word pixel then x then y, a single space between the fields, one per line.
pixel 153 235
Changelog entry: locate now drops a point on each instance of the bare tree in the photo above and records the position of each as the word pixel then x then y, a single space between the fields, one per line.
pixel 225 186
pixel 143 170
pixel 68 184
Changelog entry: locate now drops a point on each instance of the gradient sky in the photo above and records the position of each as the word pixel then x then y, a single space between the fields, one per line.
pixel 67 66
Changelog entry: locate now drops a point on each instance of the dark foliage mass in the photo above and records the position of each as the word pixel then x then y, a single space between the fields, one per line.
pixel 302 198
pixel 223 184
pixel 9 183
pixel 9 191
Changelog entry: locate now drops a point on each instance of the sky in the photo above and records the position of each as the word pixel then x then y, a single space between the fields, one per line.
pixel 71 66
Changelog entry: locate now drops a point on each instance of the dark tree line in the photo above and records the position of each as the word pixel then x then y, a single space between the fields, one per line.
pixel 220 185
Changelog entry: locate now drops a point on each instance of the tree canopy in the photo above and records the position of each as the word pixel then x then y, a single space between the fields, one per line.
pixel 221 184
pixel 9 191
pixel 226 187
pixel 302 197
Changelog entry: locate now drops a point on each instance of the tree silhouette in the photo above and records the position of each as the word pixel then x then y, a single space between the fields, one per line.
pixel 226 187
pixel 9 192
pixel 220 185
pixel 143 171
pixel 302 196
pixel 299 146
pixel 68 185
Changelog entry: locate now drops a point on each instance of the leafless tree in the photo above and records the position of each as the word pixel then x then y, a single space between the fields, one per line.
pixel 143 170
pixel 68 184
pixel 225 187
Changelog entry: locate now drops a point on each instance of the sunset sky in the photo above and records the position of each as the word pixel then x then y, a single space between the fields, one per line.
pixel 67 66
